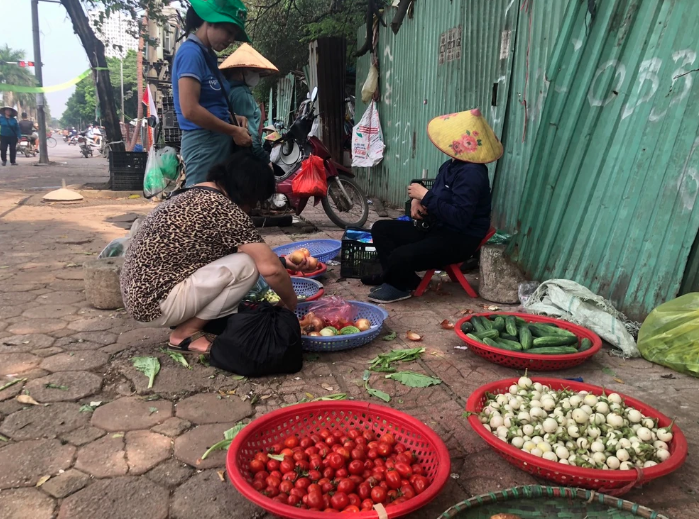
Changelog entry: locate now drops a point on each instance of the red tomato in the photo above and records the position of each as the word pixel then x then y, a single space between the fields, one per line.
pixel 349 445
pixel 367 504
pixel 322 481
pixel 364 490
pixel 324 433
pixel 392 495
pixel 311 451
pixel 302 483
pixel 303 465
pixel 326 503
pixel 355 467
pixel 271 491
pixel 346 486
pixel 404 470
pixel 407 491
pixel 286 466
pixel 378 495
pixel 393 479
pixel 293 500
pixel 399 501
pixel 330 440
pixel 327 487
pixel 388 438
pixel 361 440
pixel 290 476
pixel 286 486
pixel 336 460
pixel 384 449
pixel 351 509
pixel 378 476
pixel 258 484
pixel 286 452
pixel 281 498
pixel 315 462
pixel 368 464
pixel 354 499
pixel 337 433
pixel 262 475
pixel 305 442
pixel 417 469
pixel 339 501
pixel 369 435
pixel 373 445
pixel 262 456
pixel 300 456
pixel 379 462
pixel 273 481
pixel 256 466
pixel 354 434
pixel 390 464
pixel 291 442
pixel 329 473
pixel 315 500
pixel 297 492
pixel 420 484
pixel 341 473
pixel 366 474
pixel 357 479
pixel 358 454
pixel 372 454
pixel 399 448
pixel 276 474
pixel 314 487
pixel 276 448
pixel 314 475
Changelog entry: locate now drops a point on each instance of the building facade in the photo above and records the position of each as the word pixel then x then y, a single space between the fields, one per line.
pixel 115 32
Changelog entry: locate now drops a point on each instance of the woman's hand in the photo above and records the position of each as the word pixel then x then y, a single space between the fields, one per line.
pixel 417 210
pixel 300 267
pixel 242 121
pixel 241 136
pixel 417 191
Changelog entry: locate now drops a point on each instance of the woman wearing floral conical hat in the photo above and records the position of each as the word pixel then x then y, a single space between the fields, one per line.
pixel 449 220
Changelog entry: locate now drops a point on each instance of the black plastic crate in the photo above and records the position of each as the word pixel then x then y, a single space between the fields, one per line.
pixel 170 119
pixel 172 135
pixel 168 103
pixel 427 182
pixel 126 170
pixel 358 259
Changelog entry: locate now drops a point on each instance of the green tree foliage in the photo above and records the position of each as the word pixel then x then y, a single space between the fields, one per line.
pixel 13 74
pixel 81 106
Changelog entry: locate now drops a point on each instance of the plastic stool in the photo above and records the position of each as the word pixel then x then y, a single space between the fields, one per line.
pixel 454 272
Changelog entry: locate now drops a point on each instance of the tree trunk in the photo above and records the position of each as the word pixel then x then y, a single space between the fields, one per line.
pixel 139 82
pixel 94 49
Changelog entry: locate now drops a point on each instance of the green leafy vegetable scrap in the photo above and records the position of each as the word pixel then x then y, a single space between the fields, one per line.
pixel 384 361
pixel 374 392
pixel 412 379
pixel 149 366
pixel 227 439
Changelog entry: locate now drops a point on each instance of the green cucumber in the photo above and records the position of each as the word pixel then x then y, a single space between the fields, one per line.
pixel 521 321
pixel 499 324
pixel 511 325
pixel 525 337
pixel 585 344
pixel 477 325
pixel 554 341
pixel 473 337
pixel 491 342
pixel 490 334
pixel 487 323
pixel 554 350
pixel 543 330
pixel 509 345
pixel 467 327
pixel 509 337
pixel 499 344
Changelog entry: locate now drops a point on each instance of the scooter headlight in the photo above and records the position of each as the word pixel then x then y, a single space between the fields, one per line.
pixel 278 200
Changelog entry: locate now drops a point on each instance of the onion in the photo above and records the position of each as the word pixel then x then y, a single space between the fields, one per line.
pixel 317 324
pixel 363 324
pixel 412 336
pixel 313 334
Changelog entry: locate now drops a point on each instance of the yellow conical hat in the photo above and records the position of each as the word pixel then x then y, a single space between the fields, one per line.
pixel 465 136
pixel 247 57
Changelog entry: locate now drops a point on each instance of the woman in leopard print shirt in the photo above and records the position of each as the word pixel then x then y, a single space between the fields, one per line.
pixel 198 254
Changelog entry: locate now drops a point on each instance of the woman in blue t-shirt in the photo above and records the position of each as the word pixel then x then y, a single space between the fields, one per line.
pixel 200 98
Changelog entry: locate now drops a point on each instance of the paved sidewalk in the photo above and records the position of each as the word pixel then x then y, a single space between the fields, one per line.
pixel 138 453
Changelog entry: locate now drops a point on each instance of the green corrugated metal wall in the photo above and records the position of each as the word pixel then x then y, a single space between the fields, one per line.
pixel 415 88
pixel 537 31
pixel 613 180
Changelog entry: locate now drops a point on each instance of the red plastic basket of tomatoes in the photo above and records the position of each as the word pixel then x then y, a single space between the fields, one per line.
pixel 417 457
pixel 615 482
pixel 525 359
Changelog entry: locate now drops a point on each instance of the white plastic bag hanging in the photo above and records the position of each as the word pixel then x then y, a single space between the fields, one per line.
pixel 367 139
pixel 371 84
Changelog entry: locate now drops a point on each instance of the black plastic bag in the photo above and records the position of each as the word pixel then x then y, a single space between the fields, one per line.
pixel 259 340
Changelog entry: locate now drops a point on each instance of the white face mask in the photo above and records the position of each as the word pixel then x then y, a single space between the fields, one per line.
pixel 252 78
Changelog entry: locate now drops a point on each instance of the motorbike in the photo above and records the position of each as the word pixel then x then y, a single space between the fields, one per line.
pixel 88 144
pixel 25 146
pixel 345 204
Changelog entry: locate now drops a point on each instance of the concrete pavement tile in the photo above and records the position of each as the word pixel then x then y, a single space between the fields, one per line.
pixel 144 337
pixel 145 449
pixel 119 498
pixel 43 422
pixel 16 363
pixel 37 326
pixel 47 352
pixel 64 386
pixel 78 361
pixel 190 447
pixel 66 483
pixel 82 435
pixel 10 311
pixel 172 380
pixel 131 413
pixel 49 311
pixel 103 458
pixel 212 408
pixel 25 503
pixel 172 427
pixel 93 324
pixel 13 390
pixel 102 337
pixel 170 474
pixel 61 297
pixel 15 298
pixel 205 495
pixel 24 463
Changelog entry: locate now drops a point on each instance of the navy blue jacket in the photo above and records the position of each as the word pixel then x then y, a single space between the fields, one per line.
pixel 460 198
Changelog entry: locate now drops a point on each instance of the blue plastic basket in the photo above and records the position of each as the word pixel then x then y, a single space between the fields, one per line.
pixel 346 342
pixel 322 250
pixel 309 289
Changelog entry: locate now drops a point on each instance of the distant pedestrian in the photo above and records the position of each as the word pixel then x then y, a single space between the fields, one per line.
pixel 9 134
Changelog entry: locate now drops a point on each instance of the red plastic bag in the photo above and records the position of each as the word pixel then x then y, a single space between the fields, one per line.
pixel 334 310
pixel 311 180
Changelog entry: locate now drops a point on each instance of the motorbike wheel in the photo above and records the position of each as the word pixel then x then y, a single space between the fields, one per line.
pixel 336 205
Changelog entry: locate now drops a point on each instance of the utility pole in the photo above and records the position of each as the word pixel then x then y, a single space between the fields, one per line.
pixel 41 116
pixel 121 75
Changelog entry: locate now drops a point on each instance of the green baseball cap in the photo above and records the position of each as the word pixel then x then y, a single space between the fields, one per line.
pixel 223 11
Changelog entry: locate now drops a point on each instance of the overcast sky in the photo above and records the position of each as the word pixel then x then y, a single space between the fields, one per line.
pixel 62 54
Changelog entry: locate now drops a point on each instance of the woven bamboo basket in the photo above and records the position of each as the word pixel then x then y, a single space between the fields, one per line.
pixel 540 502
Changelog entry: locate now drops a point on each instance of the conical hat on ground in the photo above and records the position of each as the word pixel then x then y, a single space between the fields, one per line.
pixel 247 57
pixel 465 136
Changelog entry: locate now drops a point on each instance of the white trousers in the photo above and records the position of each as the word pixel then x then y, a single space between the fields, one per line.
pixel 211 292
